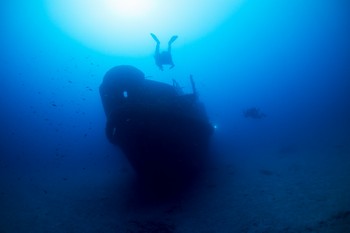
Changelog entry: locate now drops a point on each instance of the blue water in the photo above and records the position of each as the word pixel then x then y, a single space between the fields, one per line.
pixel 286 172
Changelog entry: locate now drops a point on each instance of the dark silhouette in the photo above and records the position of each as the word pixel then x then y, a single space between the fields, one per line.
pixel 163 58
pixel 253 113
pixel 164 133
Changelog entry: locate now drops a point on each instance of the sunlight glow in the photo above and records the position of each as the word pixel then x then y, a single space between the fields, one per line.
pixel 123 26
pixel 132 9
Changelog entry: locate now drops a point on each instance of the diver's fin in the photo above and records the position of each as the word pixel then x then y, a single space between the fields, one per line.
pixel 155 38
pixel 172 39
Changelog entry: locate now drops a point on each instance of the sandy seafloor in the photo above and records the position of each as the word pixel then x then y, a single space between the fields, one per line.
pixel 305 189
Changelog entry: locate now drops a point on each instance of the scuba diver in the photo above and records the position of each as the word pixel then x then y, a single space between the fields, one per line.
pixel 163 58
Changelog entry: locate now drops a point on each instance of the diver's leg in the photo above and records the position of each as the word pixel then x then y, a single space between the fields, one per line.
pixel 155 38
pixel 156 52
pixel 172 39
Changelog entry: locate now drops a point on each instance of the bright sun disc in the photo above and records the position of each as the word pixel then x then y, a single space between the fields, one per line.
pixel 123 26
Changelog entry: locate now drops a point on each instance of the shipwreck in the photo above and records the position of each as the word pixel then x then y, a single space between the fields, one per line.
pixel 164 133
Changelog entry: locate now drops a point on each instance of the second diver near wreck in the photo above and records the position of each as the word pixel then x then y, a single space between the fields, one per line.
pixel 164 134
